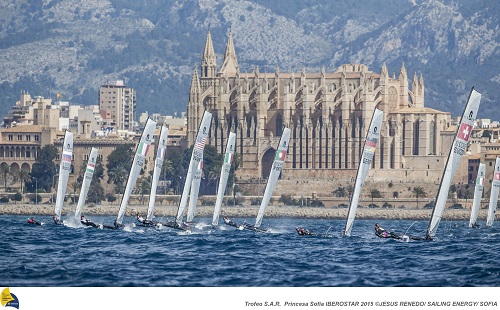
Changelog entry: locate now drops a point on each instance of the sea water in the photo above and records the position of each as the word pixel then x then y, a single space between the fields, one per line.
pixel 72 255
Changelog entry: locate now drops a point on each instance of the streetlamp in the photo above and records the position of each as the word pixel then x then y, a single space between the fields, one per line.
pixel 36 190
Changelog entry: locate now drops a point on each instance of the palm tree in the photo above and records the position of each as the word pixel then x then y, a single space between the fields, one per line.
pixel 22 176
pixel 419 192
pixel 117 176
pixel 75 185
pixel 5 170
pixel 375 193
pixel 145 188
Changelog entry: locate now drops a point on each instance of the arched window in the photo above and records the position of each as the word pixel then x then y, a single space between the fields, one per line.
pixel 279 125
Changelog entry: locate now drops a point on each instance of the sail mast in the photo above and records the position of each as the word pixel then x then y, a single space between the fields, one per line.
pixel 457 150
pixel 135 169
pixel 87 179
pixel 276 169
pixel 224 174
pixel 160 157
pixel 196 156
pixel 372 137
pixel 64 170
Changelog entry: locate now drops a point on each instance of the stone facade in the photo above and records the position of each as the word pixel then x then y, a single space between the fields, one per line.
pixel 328 113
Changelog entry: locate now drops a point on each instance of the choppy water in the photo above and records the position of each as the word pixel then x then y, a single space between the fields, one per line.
pixel 51 255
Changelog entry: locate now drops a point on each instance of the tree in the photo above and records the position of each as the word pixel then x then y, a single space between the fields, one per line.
pixel 419 192
pixel 375 193
pixel 43 169
pixel 23 176
pixel 340 192
pixel 75 185
pixel 145 188
pixel 5 170
pixel 118 166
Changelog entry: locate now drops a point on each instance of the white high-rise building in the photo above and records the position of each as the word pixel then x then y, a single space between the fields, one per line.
pixel 119 100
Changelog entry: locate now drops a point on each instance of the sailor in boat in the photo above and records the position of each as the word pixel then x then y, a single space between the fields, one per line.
pixel 88 222
pixel 382 233
pixel 32 221
pixel 143 221
pixel 56 219
pixel 303 232
pixel 230 222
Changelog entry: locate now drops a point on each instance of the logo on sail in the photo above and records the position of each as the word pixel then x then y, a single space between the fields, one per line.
pixel 200 142
pixel 464 131
pixel 280 155
pixel 161 153
pixel 8 299
pixel 66 156
pixel 90 168
pixel 142 149
pixel 229 158
pixel 371 144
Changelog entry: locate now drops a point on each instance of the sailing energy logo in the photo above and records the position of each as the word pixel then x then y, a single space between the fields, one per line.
pixel 9 300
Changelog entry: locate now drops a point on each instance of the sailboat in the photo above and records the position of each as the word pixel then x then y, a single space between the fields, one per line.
pixel 135 169
pixel 224 174
pixel 196 157
pixel 64 170
pixel 274 174
pixel 160 157
pixel 478 194
pixel 372 137
pixel 193 196
pixel 87 179
pixel 457 150
pixel 495 186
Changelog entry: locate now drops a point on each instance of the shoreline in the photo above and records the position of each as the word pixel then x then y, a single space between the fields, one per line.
pixel 248 212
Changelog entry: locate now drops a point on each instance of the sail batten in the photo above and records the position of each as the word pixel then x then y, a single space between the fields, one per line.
pixel 87 179
pixel 226 167
pixel 135 169
pixel 478 194
pixel 457 150
pixel 196 157
pixel 64 170
pixel 495 187
pixel 160 157
pixel 372 137
pixel 195 188
pixel 276 169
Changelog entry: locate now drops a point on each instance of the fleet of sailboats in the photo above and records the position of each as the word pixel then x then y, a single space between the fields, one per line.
pixel 64 171
pixel 195 170
pixel 371 141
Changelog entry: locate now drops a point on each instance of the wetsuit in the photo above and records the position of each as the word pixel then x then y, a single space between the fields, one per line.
pixel 382 233
pixel 87 222
pixel 32 221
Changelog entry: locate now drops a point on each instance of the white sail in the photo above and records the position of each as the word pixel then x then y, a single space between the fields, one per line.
pixel 87 179
pixel 495 186
pixel 160 157
pixel 224 174
pixel 456 152
pixel 195 188
pixel 478 194
pixel 196 156
pixel 139 159
pixel 64 170
pixel 276 168
pixel 371 141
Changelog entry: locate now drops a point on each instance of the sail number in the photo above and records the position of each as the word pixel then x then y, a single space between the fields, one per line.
pixel 460 147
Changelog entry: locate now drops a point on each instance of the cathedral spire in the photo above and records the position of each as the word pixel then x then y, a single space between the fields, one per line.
pixel 195 83
pixel 402 72
pixel 230 63
pixel 384 72
pixel 208 61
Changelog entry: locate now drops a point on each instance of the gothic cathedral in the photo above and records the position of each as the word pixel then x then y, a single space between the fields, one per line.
pixel 328 114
